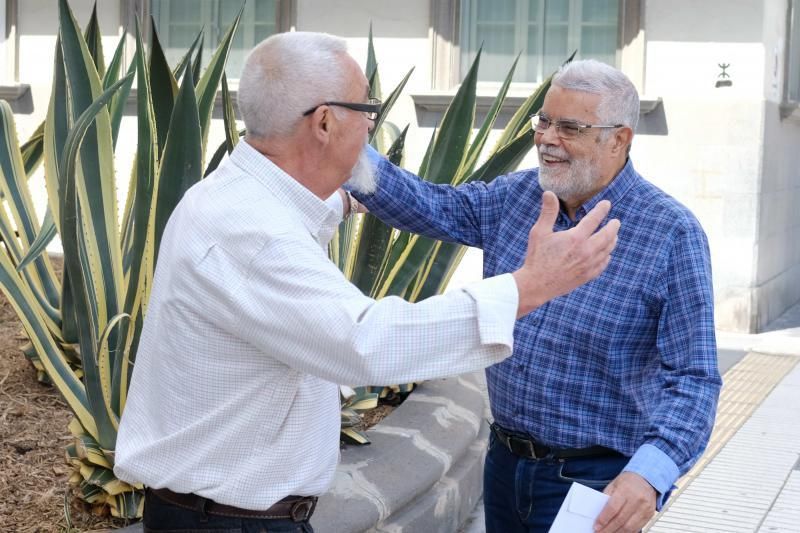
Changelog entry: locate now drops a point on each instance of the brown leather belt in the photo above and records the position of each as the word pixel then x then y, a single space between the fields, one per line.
pixel 296 508
pixel 530 449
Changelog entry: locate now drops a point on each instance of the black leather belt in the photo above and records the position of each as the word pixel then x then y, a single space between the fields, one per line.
pixel 296 508
pixel 530 449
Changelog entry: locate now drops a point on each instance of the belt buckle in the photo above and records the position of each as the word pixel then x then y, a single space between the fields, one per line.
pixel 302 509
pixel 522 447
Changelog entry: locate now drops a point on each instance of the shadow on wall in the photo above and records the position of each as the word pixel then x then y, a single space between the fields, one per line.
pixel 19 98
pixel 430 109
pixel 653 122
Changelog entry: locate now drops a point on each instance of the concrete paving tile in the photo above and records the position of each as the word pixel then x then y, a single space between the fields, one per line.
pixel 691 523
pixel 779 528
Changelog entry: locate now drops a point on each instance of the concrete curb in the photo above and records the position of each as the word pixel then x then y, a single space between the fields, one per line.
pixel 423 471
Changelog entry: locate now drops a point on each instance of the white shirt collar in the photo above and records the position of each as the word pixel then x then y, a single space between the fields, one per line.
pixel 318 217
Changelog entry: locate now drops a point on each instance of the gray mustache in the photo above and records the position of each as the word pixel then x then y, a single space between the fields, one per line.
pixel 554 153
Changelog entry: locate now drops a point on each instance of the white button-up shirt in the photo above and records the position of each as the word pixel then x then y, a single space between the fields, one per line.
pixel 250 327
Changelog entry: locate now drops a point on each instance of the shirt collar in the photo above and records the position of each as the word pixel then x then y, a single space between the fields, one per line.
pixel 613 192
pixel 315 215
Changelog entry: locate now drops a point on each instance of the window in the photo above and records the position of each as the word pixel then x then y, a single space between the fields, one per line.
pixel 8 44
pixel 17 94
pixel 3 44
pixel 793 53
pixel 546 32
pixel 179 21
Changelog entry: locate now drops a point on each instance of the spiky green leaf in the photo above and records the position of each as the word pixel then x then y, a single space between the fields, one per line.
pixel 449 149
pixel 181 166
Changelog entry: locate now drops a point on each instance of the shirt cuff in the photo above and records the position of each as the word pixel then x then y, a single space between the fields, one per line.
pixel 657 468
pixel 375 157
pixel 497 300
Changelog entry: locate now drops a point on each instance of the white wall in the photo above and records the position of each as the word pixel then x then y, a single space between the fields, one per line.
pixel 711 157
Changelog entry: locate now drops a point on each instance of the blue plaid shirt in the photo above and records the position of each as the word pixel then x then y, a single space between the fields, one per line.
pixel 627 361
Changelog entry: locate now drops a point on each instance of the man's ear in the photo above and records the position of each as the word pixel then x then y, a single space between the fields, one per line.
pixel 622 139
pixel 321 124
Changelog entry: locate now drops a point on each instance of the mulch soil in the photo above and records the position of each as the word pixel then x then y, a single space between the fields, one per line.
pixel 34 493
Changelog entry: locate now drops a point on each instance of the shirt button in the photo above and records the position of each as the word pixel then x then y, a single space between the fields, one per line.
pixel 520 368
pixel 535 321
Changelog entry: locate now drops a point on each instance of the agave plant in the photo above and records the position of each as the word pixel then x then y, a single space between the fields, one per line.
pixel 383 261
pixel 84 328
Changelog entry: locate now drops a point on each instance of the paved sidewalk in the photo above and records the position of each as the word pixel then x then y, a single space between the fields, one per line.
pixel 749 478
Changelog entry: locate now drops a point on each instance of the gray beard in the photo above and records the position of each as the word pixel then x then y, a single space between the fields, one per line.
pixel 577 181
pixel 364 175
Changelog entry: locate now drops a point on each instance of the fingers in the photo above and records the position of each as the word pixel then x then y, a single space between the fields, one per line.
pixel 605 239
pixel 630 506
pixel 625 521
pixel 558 262
pixel 616 519
pixel 593 219
pixel 611 511
pixel 599 247
pixel 547 218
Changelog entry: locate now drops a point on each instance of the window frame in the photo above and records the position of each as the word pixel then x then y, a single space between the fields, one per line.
pixel 285 21
pixel 5 54
pixel 11 90
pixel 446 47
pixel 573 25
pixel 790 107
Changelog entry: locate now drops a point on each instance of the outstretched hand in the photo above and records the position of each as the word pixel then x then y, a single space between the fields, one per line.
pixel 558 262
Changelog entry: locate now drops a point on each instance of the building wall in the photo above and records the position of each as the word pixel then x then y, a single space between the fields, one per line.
pixel 714 155
pixel 778 275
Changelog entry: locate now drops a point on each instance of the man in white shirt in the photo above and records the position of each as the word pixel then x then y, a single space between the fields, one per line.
pixel 232 418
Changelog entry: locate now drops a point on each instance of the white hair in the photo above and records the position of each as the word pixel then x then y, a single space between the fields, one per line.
pixel 287 74
pixel 619 101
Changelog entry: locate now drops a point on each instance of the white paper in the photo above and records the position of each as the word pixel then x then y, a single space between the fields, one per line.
pixel 579 510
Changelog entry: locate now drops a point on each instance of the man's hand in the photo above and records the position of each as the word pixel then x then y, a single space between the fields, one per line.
pixel 631 505
pixel 558 262
pixel 349 203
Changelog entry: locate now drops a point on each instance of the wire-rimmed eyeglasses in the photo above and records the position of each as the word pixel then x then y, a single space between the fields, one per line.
pixel 371 108
pixel 566 129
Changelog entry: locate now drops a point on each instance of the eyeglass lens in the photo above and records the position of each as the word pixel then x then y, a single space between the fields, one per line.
pixel 566 129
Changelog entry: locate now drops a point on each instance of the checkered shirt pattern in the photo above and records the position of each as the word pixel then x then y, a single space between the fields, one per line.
pixel 627 361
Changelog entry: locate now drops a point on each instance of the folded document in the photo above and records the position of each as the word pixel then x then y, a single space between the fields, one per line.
pixel 579 510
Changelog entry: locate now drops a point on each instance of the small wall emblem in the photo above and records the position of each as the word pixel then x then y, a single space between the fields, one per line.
pixel 723 79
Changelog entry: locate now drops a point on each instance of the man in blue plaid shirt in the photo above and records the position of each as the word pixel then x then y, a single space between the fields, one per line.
pixel 614 385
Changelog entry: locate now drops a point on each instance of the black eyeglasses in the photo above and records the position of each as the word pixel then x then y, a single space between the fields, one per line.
pixel 371 108
pixel 566 129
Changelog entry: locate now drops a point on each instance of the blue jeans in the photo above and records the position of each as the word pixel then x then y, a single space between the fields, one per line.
pixel 163 517
pixel 524 495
